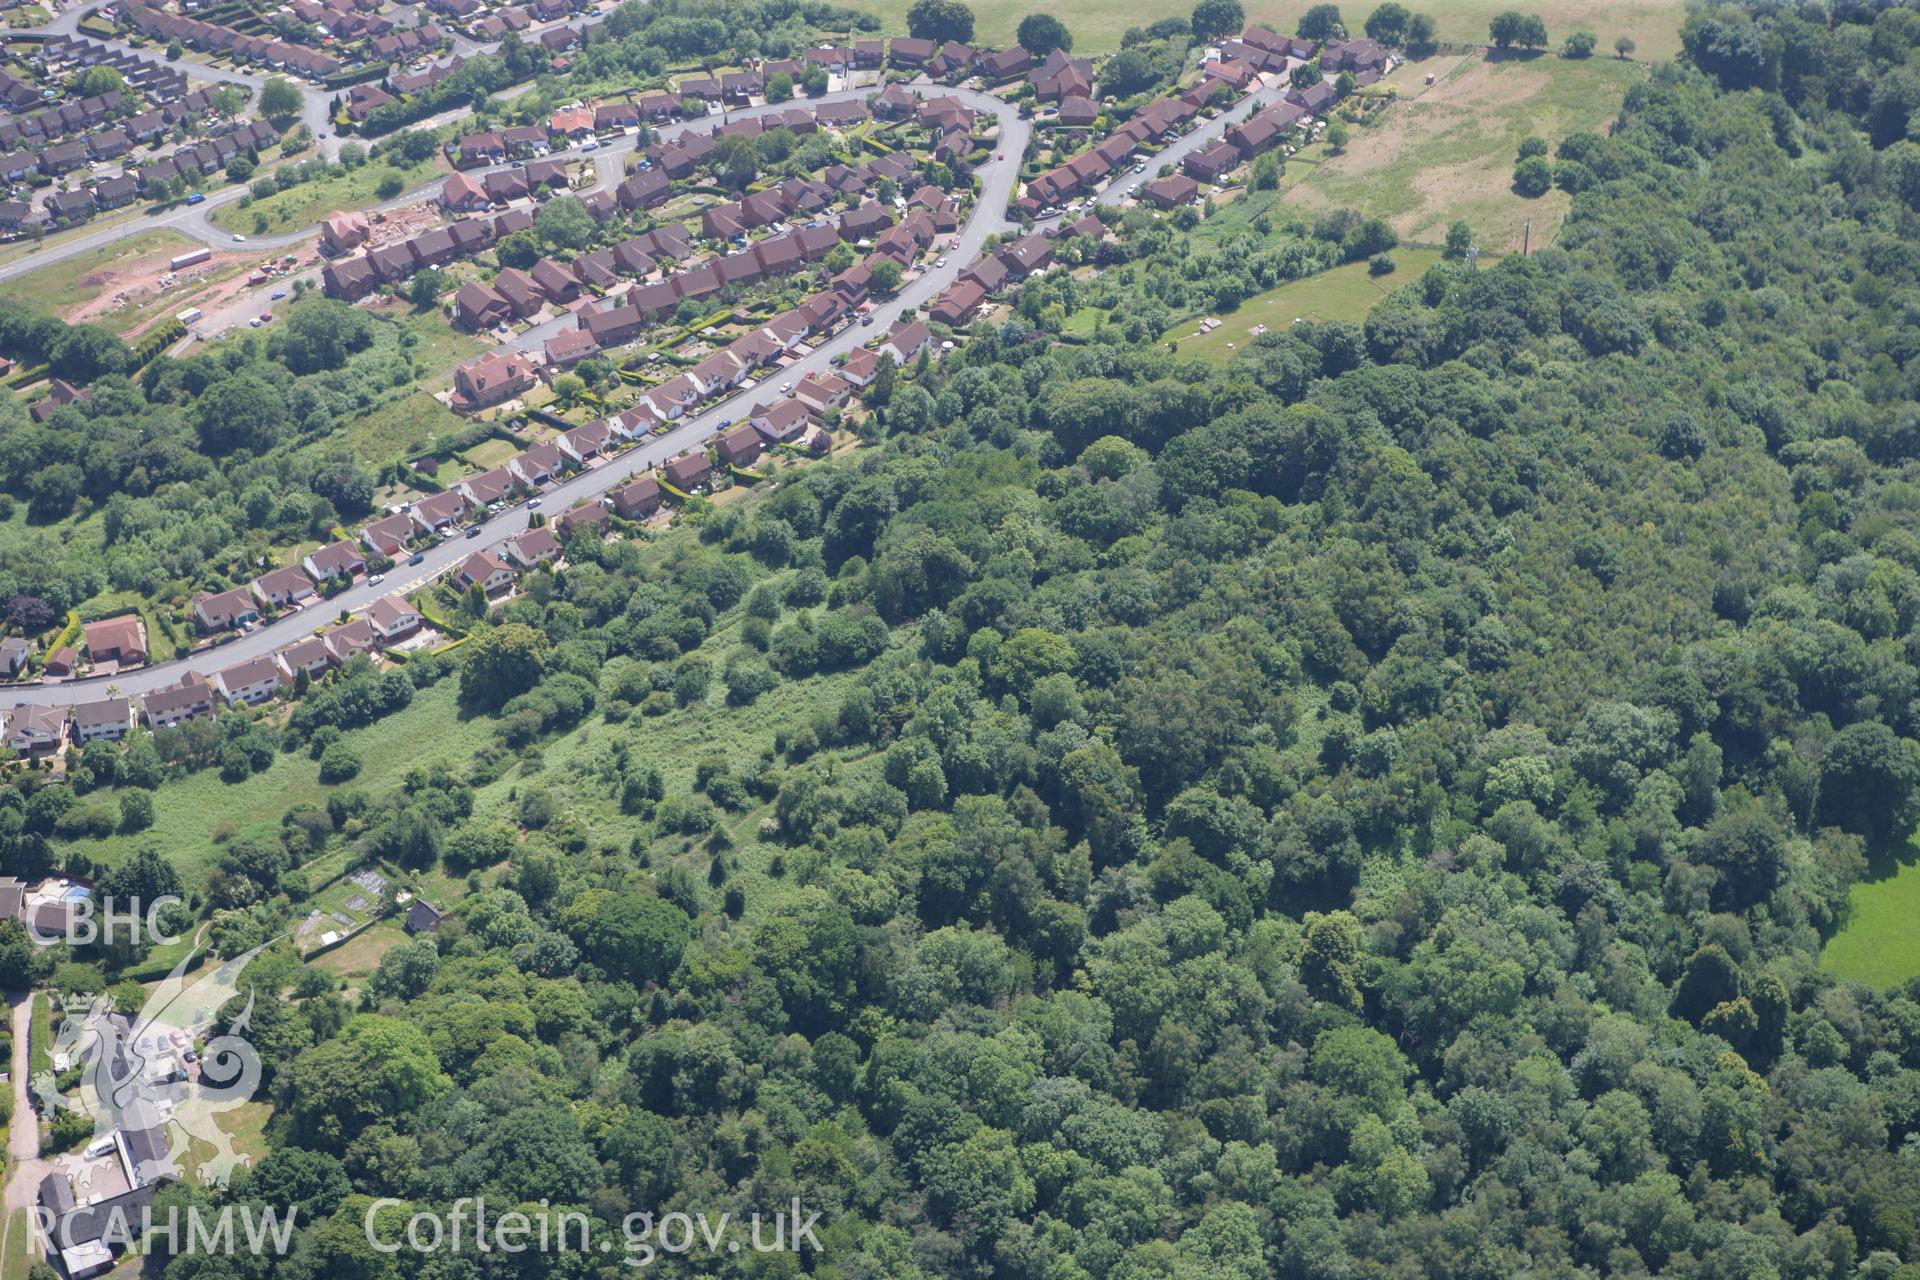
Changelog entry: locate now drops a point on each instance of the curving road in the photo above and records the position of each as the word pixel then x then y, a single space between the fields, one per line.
pixel 313 103
pixel 998 178
pixel 195 221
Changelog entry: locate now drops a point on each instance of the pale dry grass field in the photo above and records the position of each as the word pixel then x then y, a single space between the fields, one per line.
pixel 1447 152
pixel 1653 25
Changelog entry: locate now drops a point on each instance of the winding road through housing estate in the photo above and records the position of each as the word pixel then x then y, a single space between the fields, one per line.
pixel 999 179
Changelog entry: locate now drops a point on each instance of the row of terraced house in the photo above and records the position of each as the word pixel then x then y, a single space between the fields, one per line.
pixel 1257 52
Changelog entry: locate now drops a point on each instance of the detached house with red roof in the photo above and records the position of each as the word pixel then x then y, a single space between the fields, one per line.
pixel 533 547
pixel 224 610
pixel 490 378
pixel 388 536
pixel 689 473
pixel 393 619
pixel 281 587
pixel 339 559
pixel 484 570
pixel 122 640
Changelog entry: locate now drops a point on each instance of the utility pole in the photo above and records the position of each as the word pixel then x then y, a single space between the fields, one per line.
pixel 1526 236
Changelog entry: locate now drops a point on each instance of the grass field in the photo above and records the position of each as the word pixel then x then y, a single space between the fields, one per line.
pixel 26 248
pixel 1879 945
pixel 394 430
pixel 1653 25
pixel 302 206
pixel 440 345
pixel 1447 152
pixel 61 286
pixel 189 813
pixel 1344 293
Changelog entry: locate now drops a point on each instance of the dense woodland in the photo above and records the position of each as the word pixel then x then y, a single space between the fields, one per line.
pixel 1370 809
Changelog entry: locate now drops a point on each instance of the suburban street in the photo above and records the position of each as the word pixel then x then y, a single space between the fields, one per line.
pixel 1202 137
pixel 313 102
pixel 997 181
pixel 195 221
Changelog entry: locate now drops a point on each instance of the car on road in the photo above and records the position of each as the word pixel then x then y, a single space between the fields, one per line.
pixel 475 532
pixel 939 262
pixel 266 317
pixel 532 502
pixel 196 198
pixel 376 579
pixel 255 323
pixel 786 386
pixel 279 294
pixel 866 319
pixel 239 239
pixel 725 423
pixel 416 557
pixel 591 144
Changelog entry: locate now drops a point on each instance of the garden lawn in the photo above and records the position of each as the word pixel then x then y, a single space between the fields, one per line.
pixel 1879 945
pixel 490 453
pixel 40 1035
pixel 1344 293
pixel 357 959
pixel 1653 25
pixel 1447 153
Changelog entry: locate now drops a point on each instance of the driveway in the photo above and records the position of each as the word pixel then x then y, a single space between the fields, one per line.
pixel 23 1134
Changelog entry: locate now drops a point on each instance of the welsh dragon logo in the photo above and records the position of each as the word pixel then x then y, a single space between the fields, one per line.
pixel 134 1075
